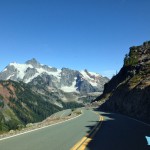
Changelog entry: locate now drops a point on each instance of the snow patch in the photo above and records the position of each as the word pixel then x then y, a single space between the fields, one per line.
pixel 4 70
pixel 71 88
pixel 85 75
pixel 88 78
pixel 21 71
pixel 58 104
pixel 95 74
pixel 10 77
pixel 31 78
pixel 46 65
pixel 21 68
pixel 56 74
pixel 93 83
pixel 41 71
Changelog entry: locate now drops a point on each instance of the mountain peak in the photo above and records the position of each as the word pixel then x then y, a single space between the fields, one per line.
pixel 86 70
pixel 33 62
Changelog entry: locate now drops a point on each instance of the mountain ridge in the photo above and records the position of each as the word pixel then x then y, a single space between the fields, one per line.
pixel 65 79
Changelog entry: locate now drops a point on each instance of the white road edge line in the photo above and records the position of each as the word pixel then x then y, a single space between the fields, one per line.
pixel 128 118
pixel 138 120
pixel 40 128
pixel 132 119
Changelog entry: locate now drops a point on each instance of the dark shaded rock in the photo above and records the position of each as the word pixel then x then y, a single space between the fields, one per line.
pixel 128 91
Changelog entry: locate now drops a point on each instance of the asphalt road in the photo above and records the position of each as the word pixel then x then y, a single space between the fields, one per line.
pixel 116 132
pixel 58 137
pixel 61 114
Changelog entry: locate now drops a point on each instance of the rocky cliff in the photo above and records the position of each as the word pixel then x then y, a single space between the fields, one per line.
pixel 129 91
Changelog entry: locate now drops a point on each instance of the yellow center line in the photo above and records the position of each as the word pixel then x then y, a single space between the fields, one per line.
pixel 77 145
pixel 82 144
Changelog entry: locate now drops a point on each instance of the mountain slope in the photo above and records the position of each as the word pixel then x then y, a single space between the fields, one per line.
pixel 19 105
pixel 61 81
pixel 128 91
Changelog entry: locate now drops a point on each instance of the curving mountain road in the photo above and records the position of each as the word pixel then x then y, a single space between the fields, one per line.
pixel 116 132
pixel 58 137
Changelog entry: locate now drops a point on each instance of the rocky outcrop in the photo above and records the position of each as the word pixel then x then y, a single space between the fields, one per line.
pixel 34 63
pixel 128 91
pixel 68 76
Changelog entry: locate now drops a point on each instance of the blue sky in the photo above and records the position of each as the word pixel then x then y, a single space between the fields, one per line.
pixel 78 34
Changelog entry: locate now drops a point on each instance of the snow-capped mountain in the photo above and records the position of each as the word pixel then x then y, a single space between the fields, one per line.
pixel 65 80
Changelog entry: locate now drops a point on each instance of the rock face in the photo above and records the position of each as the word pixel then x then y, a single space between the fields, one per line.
pixel 129 91
pixel 61 81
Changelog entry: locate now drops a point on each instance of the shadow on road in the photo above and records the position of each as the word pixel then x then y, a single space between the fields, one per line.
pixel 120 133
